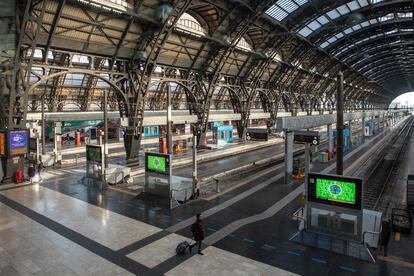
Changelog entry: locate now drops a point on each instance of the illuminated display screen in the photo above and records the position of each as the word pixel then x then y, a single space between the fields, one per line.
pixel 94 153
pixel 2 144
pixel 18 142
pixel 335 190
pixel 158 163
pixel 339 191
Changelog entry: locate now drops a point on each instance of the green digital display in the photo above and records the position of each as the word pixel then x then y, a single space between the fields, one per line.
pixel 334 190
pixel 157 163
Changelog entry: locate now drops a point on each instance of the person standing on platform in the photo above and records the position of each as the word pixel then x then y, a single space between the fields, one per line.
pixel 197 230
pixel 31 172
pixel 39 169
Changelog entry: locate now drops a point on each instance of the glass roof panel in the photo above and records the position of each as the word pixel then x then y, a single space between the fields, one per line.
pixel 305 32
pixel 343 9
pixel 353 5
pixel 333 14
pixel 282 8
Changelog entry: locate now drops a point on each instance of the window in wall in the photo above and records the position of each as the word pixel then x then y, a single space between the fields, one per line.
pixel 189 24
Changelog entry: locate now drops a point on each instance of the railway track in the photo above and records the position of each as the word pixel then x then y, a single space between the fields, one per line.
pixel 379 178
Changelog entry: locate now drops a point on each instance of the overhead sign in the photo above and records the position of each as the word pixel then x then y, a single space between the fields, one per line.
pixel 157 163
pixel 335 190
pixel 18 142
pixel 2 144
pixel 303 137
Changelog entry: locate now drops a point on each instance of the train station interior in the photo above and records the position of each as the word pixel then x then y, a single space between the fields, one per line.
pixel 206 137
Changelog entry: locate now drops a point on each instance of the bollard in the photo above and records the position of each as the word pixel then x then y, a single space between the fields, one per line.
pixel 217 185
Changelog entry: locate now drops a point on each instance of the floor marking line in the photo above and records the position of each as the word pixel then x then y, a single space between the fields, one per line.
pixel 294 253
pixel 348 268
pixel 319 261
pixel 249 240
pixel 227 203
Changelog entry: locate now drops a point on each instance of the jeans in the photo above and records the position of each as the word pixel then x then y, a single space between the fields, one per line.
pixel 196 243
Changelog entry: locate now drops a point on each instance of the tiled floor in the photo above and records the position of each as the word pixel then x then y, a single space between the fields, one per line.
pixel 29 248
pixel 219 262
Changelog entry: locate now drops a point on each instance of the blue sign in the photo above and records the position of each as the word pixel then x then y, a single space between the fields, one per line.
pixel 18 142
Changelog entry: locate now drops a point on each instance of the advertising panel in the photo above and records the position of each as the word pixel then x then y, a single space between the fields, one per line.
pixel 18 142
pixel 2 144
pixel 335 190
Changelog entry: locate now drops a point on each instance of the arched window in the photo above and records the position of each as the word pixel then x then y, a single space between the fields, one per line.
pixel 189 24
pixel 244 45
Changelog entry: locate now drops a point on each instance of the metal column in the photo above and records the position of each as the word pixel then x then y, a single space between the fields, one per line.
pixel 288 156
pixel 340 125
pixel 350 132
pixel 363 130
pixel 106 129
pixel 43 127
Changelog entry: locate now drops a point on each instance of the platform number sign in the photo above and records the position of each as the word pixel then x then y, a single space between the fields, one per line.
pixel 304 137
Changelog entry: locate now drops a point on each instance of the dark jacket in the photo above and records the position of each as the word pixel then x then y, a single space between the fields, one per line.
pixel 385 233
pixel 31 171
pixel 197 231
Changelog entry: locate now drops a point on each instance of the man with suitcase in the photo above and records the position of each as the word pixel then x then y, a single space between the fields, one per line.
pixel 197 230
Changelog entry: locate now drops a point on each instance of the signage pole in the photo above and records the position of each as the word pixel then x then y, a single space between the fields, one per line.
pixel 340 125
pixel 194 162
pixel 169 136
pixel 307 165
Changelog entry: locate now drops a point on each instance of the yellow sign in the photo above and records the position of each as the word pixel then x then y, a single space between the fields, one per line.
pixel 2 144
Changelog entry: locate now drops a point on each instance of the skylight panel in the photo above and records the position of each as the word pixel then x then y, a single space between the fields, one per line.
pixel 356 27
pixel 322 19
pixel 277 13
pixel 324 45
pixel 348 31
pixel 314 25
pixel 282 8
pixel 288 5
pixel 353 5
pixel 332 40
pixel 405 14
pixel 333 14
pixel 305 32
pixel 365 24
pixel 339 36
pixel 343 9
pixel 363 3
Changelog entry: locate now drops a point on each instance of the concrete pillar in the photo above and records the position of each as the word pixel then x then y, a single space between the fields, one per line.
pixel 330 138
pixel 288 156
pixel 363 130
pixel 373 124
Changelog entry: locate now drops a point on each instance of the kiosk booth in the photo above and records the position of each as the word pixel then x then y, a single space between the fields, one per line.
pixel 369 129
pixel 334 219
pixel 223 134
pixel 346 139
pixel 159 181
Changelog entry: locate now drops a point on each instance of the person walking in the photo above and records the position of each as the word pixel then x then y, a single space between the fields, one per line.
pixel 31 172
pixel 39 169
pixel 197 230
